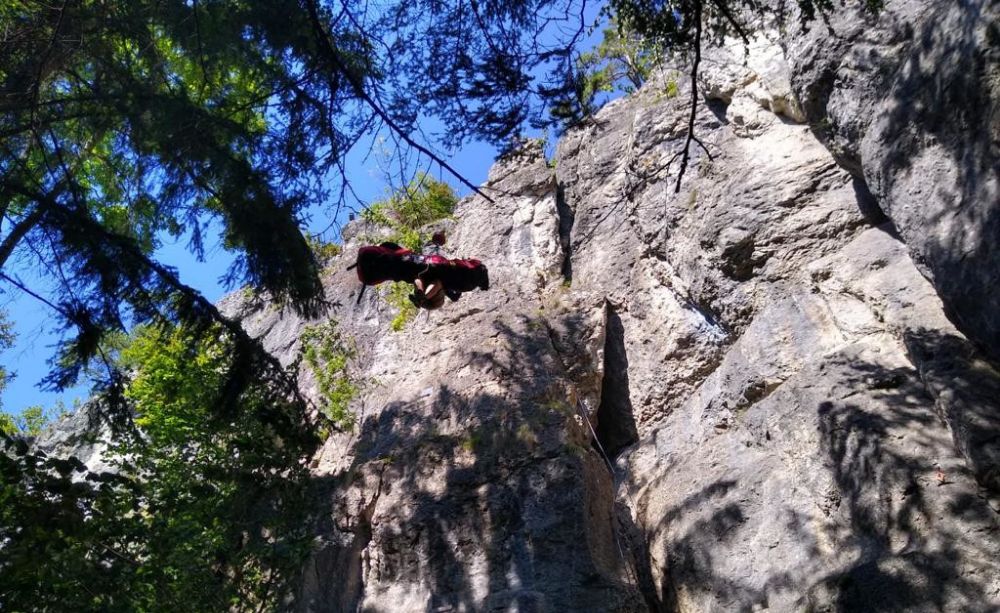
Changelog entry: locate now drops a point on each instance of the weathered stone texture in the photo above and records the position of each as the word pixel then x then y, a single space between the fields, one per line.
pixel 796 422
pixel 910 101
pixel 799 424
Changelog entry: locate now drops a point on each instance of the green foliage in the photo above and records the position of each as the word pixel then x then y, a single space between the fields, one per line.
pixel 423 201
pixel 408 209
pixel 173 382
pixel 406 212
pixel 7 338
pixel 203 513
pixel 323 250
pixel 31 421
pixel 526 435
pixel 623 61
pixel 327 354
pixel 7 425
pixel 397 295
pixel 144 119
pixel 671 89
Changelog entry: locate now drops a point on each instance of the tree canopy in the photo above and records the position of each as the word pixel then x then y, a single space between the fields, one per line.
pixel 197 513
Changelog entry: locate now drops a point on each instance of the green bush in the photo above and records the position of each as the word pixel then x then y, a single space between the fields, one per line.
pixel 672 90
pixel 323 250
pixel 205 511
pixel 398 297
pixel 326 353
pixel 32 420
pixel 406 212
pixel 408 209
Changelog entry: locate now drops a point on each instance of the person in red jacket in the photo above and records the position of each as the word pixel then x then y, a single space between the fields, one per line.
pixel 434 277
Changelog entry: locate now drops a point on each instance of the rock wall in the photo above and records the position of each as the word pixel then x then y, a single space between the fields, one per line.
pixel 910 102
pixel 794 420
pixel 469 482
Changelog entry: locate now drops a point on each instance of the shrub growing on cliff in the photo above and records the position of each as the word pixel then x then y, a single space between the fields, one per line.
pixel 408 209
pixel 324 251
pixel 327 354
pixel 406 212
pixel 398 297
pixel 30 421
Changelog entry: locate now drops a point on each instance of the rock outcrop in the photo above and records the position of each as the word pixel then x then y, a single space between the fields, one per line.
pixel 771 390
pixel 794 421
pixel 469 482
pixel 910 102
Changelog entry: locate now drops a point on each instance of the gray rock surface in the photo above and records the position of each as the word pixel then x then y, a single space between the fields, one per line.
pixel 83 434
pixel 468 482
pixel 797 424
pixel 910 101
pixel 792 421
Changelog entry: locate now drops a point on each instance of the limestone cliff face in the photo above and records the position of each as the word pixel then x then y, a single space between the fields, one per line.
pixel 795 422
pixel 776 360
pixel 910 102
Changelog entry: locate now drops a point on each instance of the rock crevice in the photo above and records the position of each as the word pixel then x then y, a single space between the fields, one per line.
pixel 616 428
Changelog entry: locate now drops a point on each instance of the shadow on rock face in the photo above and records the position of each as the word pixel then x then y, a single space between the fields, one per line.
pixel 899 523
pixel 483 495
pixel 935 160
pixel 896 494
pixel 691 560
pixel 868 205
pixel 966 389
pixel 616 427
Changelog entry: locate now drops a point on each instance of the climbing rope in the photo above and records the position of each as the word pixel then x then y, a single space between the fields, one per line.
pixel 631 573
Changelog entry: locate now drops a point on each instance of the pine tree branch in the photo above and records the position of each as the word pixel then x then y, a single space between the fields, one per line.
pixel 20 229
pixel 331 53
pixel 724 9
pixel 246 345
pixel 27 290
